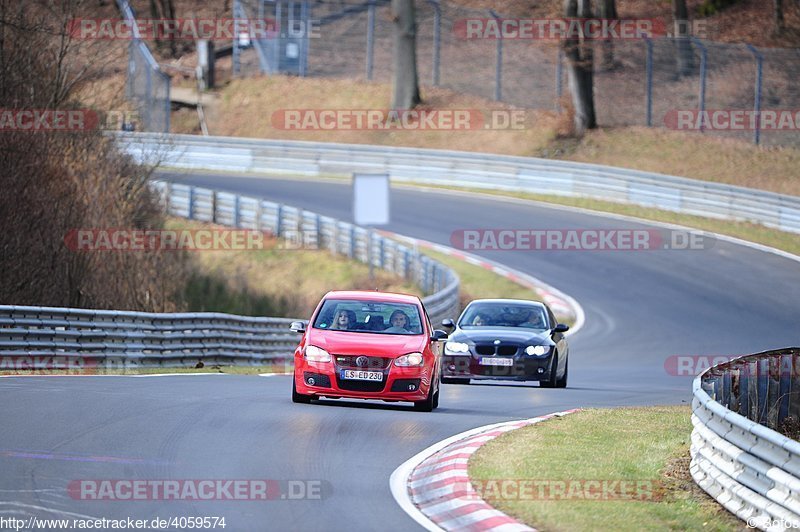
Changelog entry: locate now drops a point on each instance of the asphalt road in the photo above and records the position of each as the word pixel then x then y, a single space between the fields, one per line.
pixel 641 308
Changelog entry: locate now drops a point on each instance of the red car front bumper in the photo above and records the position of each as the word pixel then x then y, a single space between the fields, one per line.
pixel 326 379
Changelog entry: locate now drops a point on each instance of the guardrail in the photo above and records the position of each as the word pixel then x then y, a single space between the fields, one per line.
pixel 750 469
pixel 45 338
pixel 475 170
pixel 309 229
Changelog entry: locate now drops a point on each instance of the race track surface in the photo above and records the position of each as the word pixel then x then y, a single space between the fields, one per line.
pixel 641 308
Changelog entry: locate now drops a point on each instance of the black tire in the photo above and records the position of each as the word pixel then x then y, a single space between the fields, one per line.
pixel 429 403
pixel 299 397
pixel 562 382
pixel 454 380
pixel 552 378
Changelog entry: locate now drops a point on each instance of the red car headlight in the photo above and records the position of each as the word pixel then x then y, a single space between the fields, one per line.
pixel 317 354
pixel 409 360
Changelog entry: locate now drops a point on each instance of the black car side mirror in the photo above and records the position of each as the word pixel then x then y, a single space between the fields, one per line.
pixel 439 334
pixel 448 323
pixel 298 326
pixel 561 328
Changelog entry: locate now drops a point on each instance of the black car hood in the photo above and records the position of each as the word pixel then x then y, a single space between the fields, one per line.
pixel 505 334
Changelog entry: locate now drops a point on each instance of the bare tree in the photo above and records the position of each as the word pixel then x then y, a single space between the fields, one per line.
pixel 680 15
pixel 56 182
pixel 580 68
pixel 164 9
pixel 608 10
pixel 405 80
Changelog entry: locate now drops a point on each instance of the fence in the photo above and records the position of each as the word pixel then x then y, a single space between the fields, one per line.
pixel 466 169
pixel 746 466
pixel 81 340
pixel 313 230
pixel 640 86
pixel 147 86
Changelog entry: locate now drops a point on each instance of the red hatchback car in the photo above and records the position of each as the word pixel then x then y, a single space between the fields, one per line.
pixel 368 345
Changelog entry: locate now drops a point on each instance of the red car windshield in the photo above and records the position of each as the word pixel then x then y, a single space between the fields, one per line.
pixel 369 317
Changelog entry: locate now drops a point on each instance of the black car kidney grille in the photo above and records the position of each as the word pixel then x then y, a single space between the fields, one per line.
pixel 507 350
pixel 485 350
pixel 373 363
pixel 500 350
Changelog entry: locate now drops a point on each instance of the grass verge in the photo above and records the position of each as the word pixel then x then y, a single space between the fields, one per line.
pixel 647 445
pixel 275 281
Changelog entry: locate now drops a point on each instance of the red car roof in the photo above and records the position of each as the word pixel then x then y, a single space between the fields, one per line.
pixel 371 295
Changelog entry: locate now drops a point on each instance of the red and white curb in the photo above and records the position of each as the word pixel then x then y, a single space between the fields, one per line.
pixel 560 302
pixel 434 489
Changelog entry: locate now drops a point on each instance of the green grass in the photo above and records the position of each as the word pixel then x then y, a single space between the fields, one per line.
pixel 649 444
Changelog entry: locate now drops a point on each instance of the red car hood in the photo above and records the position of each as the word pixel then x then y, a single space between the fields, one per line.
pixel 352 343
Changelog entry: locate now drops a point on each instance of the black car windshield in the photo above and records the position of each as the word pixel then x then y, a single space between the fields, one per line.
pixel 499 314
pixel 369 317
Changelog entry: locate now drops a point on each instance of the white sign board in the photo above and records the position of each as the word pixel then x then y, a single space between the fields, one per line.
pixel 371 199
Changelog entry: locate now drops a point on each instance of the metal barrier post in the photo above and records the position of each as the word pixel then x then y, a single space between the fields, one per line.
pixel 559 76
pixel 236 213
pixel 191 203
pixel 498 69
pixel 759 85
pixel 370 37
pixel 649 44
pixel 703 79
pixel 437 38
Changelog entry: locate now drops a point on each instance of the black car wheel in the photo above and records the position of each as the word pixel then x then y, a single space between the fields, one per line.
pixel 299 397
pixel 562 382
pixel 552 377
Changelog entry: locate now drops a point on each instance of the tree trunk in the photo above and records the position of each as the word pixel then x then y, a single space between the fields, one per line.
pixel 680 15
pixel 580 68
pixel 779 26
pixel 165 9
pixel 608 10
pixel 405 82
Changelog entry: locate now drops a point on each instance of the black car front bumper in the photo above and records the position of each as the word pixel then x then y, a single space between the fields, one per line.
pixel 524 368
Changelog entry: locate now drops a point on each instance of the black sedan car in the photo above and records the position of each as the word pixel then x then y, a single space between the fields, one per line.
pixel 506 339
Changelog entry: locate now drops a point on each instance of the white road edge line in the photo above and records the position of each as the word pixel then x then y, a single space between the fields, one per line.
pixel 398 482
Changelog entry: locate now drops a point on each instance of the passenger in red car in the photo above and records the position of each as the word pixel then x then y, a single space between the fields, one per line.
pixel 399 322
pixel 345 320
